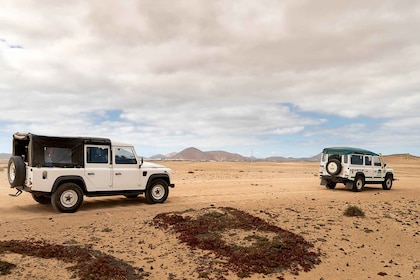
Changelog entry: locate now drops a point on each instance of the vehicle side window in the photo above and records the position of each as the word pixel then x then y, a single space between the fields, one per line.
pixel 356 159
pixel 96 155
pixel 368 160
pixel 345 159
pixel 125 156
pixel 376 161
pixel 54 155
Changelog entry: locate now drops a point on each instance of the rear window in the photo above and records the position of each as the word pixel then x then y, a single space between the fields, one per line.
pixel 337 157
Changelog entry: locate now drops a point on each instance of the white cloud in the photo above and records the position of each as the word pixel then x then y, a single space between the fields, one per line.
pixel 210 73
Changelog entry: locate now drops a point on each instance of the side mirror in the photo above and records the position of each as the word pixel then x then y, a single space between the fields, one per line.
pixel 385 164
pixel 141 162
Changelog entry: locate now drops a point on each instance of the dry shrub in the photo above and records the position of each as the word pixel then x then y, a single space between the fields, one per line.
pixel 5 267
pixel 354 211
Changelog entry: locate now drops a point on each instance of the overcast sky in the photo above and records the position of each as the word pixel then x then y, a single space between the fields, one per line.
pixel 267 78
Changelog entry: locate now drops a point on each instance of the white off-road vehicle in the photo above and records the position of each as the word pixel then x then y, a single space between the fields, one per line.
pixel 62 170
pixel 354 168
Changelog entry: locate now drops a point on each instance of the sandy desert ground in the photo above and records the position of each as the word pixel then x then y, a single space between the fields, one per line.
pixel 385 244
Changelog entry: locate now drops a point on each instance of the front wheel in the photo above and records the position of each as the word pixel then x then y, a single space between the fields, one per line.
pixel 67 198
pixel 157 192
pixel 387 183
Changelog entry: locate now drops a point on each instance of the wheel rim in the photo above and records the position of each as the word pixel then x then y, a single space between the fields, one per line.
pixel 158 192
pixel 12 171
pixel 388 183
pixel 69 198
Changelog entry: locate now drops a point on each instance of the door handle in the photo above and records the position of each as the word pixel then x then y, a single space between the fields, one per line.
pixel 118 173
pixel 91 173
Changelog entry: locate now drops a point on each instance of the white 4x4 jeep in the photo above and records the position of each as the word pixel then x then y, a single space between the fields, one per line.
pixel 354 168
pixel 61 170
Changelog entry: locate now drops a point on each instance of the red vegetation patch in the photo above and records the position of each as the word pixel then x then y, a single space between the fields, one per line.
pixel 270 249
pixel 88 264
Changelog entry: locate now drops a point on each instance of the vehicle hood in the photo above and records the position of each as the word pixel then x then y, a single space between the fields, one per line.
pixel 152 165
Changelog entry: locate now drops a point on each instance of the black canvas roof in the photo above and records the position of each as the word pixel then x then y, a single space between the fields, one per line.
pixel 33 147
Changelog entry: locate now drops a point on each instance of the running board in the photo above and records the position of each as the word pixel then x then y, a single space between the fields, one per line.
pixel 19 192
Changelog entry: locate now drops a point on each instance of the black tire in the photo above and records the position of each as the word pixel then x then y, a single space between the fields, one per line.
pixel 131 195
pixel 16 171
pixel 67 198
pixel 387 183
pixel 333 167
pixel 331 185
pixel 157 192
pixel 358 183
pixel 41 199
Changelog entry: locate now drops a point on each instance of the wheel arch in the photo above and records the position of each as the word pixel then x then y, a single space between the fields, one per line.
pixel 390 174
pixel 360 174
pixel 154 177
pixel 78 180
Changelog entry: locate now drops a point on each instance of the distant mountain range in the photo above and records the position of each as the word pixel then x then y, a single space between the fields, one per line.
pixel 195 154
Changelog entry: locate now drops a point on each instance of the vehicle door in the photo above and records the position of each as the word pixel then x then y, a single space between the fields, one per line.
pixel 98 167
pixel 126 169
pixel 356 165
pixel 369 168
pixel 379 171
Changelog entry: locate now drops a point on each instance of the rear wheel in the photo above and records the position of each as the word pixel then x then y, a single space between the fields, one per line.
pixel 131 195
pixel 331 185
pixel 16 171
pixel 67 198
pixel 41 199
pixel 358 183
pixel 387 183
pixel 157 192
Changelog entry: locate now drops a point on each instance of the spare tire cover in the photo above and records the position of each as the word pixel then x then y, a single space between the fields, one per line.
pixel 333 167
pixel 16 171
